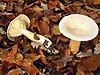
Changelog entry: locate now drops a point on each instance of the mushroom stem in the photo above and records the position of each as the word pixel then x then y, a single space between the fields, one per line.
pixel 31 36
pixel 74 46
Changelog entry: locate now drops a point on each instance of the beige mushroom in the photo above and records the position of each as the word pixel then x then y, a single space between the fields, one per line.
pixel 18 27
pixel 78 28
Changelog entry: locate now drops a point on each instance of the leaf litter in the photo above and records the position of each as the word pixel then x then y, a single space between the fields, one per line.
pixel 45 16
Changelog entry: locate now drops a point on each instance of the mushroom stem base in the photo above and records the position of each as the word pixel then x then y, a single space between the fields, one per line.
pixel 74 46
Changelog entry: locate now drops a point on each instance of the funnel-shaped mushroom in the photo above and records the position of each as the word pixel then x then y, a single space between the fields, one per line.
pixel 18 27
pixel 78 28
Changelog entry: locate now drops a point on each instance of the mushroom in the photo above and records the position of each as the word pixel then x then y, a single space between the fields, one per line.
pixel 78 28
pixel 17 27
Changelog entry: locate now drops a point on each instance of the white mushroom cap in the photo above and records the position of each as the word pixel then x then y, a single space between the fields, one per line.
pixel 16 25
pixel 78 27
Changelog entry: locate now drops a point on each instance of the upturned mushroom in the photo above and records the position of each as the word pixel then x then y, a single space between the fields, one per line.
pixel 18 27
pixel 78 28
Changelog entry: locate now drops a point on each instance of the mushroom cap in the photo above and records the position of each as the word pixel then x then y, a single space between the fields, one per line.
pixel 78 27
pixel 16 25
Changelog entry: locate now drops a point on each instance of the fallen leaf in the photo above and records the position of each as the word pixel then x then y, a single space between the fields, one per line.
pixel 97 20
pixel 11 54
pixel 52 4
pixel 84 54
pixel 32 56
pixel 14 72
pixel 62 6
pixel 63 38
pixel 80 71
pixel 27 63
pixel 43 58
pixel 96 40
pixel 96 2
pixel 90 64
pixel 10 15
pixel 44 28
pixel 2 6
pixel 97 49
pixel 9 6
pixel 37 9
pixel 54 18
pixel 55 30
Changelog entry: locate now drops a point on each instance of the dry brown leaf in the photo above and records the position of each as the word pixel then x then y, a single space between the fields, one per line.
pixel 2 6
pixel 96 40
pixel 14 72
pixel 44 28
pixel 33 23
pixel 97 20
pixel 27 10
pixel 54 18
pixel 9 6
pixel 52 4
pixel 63 38
pixel 80 71
pixel 97 49
pixel 32 56
pixel 90 64
pixel 62 6
pixel 96 2
pixel 43 58
pixel 55 30
pixel 27 63
pixel 10 15
pixel 37 9
pixel 82 11
pixel 10 54
pixel 40 73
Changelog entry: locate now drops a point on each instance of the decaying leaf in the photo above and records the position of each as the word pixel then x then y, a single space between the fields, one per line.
pixel 55 30
pixel 63 38
pixel 97 49
pixel 52 4
pixel 9 6
pixel 62 6
pixel 43 58
pixel 54 18
pixel 32 56
pixel 44 28
pixel 90 64
pixel 37 9
pixel 61 62
pixel 20 55
pixel 14 72
pixel 97 20
pixel 11 54
pixel 27 63
pixel 2 6
pixel 9 15
pixel 80 71
pixel 96 2
pixel 85 54
pixel 2 31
